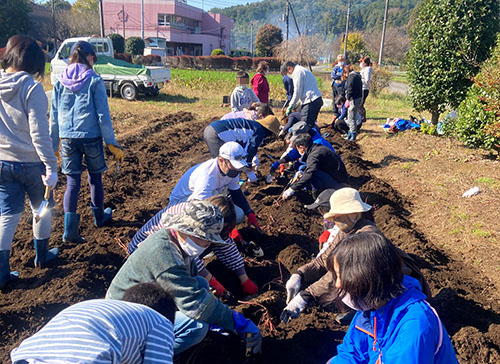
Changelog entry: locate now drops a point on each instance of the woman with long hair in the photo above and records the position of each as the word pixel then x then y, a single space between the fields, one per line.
pixel 80 118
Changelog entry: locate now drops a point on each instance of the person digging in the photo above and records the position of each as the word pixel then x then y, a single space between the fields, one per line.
pixel 348 212
pixel 227 254
pixel 166 257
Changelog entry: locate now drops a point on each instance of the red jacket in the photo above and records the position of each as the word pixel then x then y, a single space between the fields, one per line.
pixel 260 87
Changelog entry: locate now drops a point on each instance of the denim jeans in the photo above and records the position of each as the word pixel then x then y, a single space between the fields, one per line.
pixel 17 179
pixel 73 151
pixel 189 332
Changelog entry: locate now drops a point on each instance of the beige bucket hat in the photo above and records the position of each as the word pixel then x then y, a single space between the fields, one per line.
pixel 346 201
pixel 271 123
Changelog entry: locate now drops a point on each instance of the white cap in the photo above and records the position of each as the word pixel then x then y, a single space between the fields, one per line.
pixel 235 154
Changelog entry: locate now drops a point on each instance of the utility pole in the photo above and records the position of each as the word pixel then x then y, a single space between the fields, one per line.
pixel 123 14
pixel 347 28
pixel 54 25
pixel 101 18
pixel 123 17
pixel 382 40
pixel 251 39
pixel 287 17
pixel 142 19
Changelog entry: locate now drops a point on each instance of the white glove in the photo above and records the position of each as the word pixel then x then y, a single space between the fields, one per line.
pixel 255 161
pixel 269 178
pixel 293 309
pixel 473 191
pixel 50 179
pixel 293 286
pixel 288 193
pixel 252 177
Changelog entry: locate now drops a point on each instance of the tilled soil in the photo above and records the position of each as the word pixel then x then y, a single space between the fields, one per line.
pixel 156 156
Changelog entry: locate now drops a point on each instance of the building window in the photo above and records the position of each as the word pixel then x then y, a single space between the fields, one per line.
pixel 178 22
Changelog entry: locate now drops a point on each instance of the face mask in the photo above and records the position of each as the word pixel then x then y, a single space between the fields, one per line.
pixel 347 300
pixel 190 247
pixel 232 173
pixel 346 222
pixel 361 65
pixel 328 224
pixel 341 63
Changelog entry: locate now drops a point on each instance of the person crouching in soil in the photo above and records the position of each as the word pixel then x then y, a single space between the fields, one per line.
pixel 348 214
pixel 28 164
pixel 137 329
pixel 167 257
pixel 228 253
pixel 80 118
pixel 393 321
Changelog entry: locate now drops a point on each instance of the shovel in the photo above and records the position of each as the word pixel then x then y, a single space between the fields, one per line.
pixel 44 206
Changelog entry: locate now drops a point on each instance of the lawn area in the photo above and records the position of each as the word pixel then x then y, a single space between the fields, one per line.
pixel 400 76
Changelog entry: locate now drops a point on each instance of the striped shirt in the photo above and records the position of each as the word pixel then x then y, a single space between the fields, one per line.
pixel 102 331
pixel 228 254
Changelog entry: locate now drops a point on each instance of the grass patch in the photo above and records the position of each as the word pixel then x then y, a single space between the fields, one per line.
pixel 481 233
pixel 408 165
pixel 488 181
pixel 400 77
pixel 388 105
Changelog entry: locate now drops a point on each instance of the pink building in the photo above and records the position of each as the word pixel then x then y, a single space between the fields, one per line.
pixel 170 24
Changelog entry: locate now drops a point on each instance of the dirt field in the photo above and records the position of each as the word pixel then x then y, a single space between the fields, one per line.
pixel 159 150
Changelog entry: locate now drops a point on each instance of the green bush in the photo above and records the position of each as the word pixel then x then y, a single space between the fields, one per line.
pixel 218 52
pixel 380 80
pixel 135 46
pixel 118 42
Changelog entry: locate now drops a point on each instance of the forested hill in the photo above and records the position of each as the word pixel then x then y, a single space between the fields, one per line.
pixel 323 17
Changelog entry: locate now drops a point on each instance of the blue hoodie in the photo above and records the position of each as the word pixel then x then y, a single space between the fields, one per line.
pixel 404 331
pixel 80 107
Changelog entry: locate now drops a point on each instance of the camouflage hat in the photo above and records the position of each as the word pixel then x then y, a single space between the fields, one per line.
pixel 200 219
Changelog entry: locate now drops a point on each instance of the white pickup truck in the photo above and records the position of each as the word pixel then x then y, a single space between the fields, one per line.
pixel 119 76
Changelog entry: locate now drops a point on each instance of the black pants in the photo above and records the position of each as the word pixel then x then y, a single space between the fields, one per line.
pixel 213 141
pixel 341 126
pixel 309 112
pixel 362 109
pixel 336 91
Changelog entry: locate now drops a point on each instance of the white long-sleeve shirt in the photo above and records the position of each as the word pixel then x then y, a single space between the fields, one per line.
pixel 366 77
pixel 102 332
pixel 305 86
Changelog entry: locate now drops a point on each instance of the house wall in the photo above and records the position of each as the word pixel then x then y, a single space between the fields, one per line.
pixel 214 30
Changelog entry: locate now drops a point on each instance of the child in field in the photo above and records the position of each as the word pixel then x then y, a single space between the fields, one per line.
pixel 339 122
pixel 393 322
pixel 242 96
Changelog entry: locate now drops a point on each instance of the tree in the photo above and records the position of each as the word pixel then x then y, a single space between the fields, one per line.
pixel 135 46
pixel 356 48
pixel 303 50
pixel 397 43
pixel 217 52
pixel 13 18
pixel 268 37
pixel 118 42
pixel 86 17
pixel 450 39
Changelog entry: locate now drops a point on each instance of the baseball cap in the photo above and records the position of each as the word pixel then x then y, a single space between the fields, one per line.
pixel 323 200
pixel 298 128
pixel 235 154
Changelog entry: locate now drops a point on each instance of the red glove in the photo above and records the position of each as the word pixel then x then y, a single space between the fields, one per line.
pixel 252 220
pixel 219 288
pixel 249 288
pixel 236 236
pixel 282 168
pixel 323 238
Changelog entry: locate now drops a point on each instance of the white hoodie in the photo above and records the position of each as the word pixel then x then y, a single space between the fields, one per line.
pixel 242 98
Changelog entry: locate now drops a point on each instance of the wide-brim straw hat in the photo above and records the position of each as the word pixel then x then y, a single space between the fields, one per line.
pixel 200 219
pixel 271 123
pixel 346 201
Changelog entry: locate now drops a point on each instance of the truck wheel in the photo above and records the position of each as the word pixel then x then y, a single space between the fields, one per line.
pixel 128 91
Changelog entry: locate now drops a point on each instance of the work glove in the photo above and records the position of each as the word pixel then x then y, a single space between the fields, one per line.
pixel 50 179
pixel 281 133
pixel 288 193
pixel 293 309
pixel 252 177
pixel 293 286
pixel 289 110
pixel 219 288
pixel 274 167
pixel 323 238
pixel 248 332
pixel 116 151
pixel 252 220
pixel 249 287
pixel 282 169
pixel 269 178
pixel 236 236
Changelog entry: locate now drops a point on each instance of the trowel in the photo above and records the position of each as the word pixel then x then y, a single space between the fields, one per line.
pixel 44 206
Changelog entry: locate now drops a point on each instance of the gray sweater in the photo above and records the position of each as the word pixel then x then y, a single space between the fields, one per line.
pixel 159 259
pixel 24 129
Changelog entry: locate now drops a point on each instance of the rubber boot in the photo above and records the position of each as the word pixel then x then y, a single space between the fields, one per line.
pixel 5 274
pixel 348 136
pixel 71 232
pixel 42 253
pixel 101 215
pixel 353 137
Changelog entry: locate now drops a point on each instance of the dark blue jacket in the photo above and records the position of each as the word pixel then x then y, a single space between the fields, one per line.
pixel 404 331
pixel 288 84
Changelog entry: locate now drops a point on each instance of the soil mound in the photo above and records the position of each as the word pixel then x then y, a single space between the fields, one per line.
pixel 156 156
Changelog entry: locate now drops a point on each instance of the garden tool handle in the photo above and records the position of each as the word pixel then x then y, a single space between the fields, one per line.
pixel 46 195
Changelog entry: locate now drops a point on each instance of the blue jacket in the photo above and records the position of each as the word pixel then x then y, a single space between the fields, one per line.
pixel 403 331
pixel 288 84
pixel 337 74
pixel 343 113
pixel 81 114
pixel 248 133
